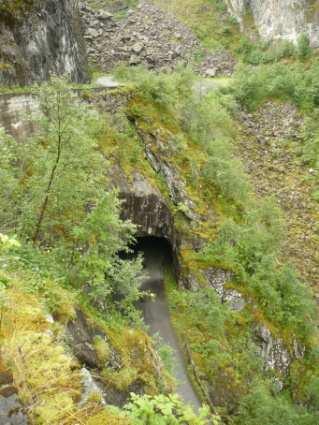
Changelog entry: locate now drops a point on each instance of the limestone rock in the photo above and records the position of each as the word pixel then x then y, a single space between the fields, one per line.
pixel 279 19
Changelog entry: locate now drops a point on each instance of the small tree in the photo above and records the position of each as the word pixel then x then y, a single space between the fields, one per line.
pixel 303 46
pixel 53 186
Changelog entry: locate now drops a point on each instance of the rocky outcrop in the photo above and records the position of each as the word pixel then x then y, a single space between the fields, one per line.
pixel 218 280
pixel 279 19
pixel 45 41
pixel 219 63
pixel 273 352
pixel 145 207
pixel 145 36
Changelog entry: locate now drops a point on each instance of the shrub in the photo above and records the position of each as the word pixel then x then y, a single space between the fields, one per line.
pixel 54 189
pixel 261 407
pixel 303 46
pixel 164 410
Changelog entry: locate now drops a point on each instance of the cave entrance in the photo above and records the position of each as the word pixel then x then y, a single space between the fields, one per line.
pixel 158 256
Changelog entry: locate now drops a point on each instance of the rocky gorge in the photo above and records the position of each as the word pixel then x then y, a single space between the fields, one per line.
pixel 161 126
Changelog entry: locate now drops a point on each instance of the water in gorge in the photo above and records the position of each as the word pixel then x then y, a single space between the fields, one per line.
pixel 156 313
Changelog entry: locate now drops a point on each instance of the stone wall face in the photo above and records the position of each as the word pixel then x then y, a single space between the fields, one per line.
pixel 279 19
pixel 16 112
pixel 46 41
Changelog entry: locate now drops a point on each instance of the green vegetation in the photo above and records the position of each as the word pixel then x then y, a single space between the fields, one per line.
pixel 80 229
pixel 253 85
pixel 246 238
pixel 58 203
pixel 293 83
pixel 54 186
pixel 164 410
pixel 208 19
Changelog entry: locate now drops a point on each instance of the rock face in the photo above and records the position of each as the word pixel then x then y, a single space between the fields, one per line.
pixel 45 41
pixel 279 19
pixel 218 279
pixel 146 36
pixel 273 351
pixel 145 207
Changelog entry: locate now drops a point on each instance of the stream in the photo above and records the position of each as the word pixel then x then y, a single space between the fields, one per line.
pixel 157 317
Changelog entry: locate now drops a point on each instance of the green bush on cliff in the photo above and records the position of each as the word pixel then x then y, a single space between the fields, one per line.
pixel 166 410
pixel 251 250
pixel 54 188
pixel 253 85
pixel 260 407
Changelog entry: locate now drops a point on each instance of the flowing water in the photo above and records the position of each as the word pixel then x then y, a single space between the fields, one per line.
pixel 157 317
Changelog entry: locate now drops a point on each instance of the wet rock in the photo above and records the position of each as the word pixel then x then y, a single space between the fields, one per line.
pixel 81 339
pixel 11 409
pixel 145 206
pixel 8 390
pixel 5 377
pixel 81 335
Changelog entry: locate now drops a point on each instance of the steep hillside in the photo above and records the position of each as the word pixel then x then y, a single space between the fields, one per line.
pixel 177 194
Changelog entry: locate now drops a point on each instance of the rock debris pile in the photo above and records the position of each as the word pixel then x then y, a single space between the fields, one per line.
pixel 146 35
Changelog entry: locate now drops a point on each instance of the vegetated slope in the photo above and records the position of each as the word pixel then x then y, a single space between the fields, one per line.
pixel 209 20
pixel 248 321
pixel 231 246
pixel 280 148
pixel 69 265
pixel 271 146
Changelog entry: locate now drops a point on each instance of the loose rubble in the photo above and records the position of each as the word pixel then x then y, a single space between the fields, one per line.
pixel 270 147
pixel 147 36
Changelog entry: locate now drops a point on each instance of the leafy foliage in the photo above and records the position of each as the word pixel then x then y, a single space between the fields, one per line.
pixel 54 187
pixel 164 410
pixel 260 407
pixel 253 85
